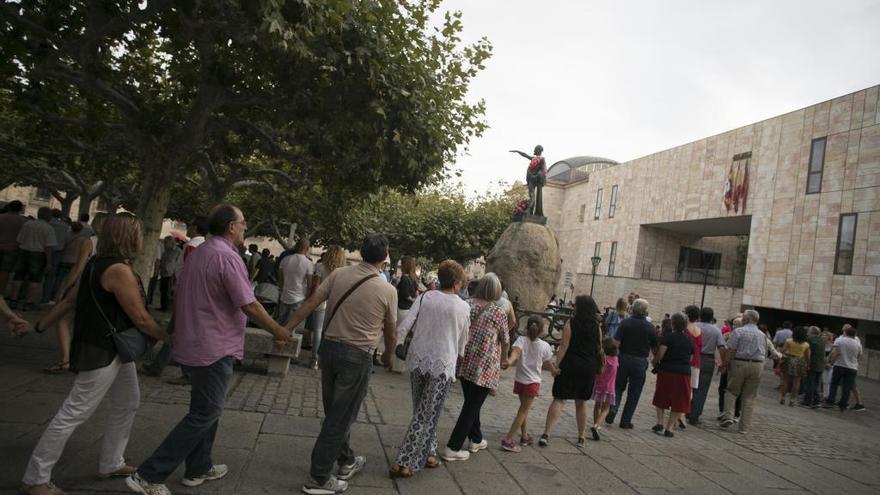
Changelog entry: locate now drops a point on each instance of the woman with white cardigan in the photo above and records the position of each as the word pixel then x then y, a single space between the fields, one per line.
pixel 439 320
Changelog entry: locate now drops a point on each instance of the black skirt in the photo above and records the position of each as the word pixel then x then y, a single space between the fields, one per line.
pixel 575 382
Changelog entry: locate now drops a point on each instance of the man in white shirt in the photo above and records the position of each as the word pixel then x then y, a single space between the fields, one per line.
pixel 36 243
pixel 845 358
pixel 294 275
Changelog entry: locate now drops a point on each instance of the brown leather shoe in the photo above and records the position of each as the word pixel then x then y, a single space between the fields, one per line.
pixel 42 489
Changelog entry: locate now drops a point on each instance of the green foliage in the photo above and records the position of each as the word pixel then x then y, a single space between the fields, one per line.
pixel 338 99
pixel 435 224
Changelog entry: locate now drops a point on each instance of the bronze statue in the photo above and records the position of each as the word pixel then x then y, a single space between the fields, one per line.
pixel 536 177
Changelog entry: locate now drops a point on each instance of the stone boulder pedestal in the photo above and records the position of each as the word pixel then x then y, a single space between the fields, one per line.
pixel 526 259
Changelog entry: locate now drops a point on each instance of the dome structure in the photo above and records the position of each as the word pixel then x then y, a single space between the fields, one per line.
pixel 577 168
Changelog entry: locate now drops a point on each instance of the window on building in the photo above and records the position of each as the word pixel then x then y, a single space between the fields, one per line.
pixel 42 194
pixel 598 211
pixel 846 238
pixel 613 256
pixel 817 164
pixel 612 208
pixel 695 265
pixel 582 213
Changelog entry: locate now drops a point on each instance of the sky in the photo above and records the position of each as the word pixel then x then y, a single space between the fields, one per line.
pixel 626 79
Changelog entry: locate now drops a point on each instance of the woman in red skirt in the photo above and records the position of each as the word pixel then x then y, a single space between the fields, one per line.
pixel 672 362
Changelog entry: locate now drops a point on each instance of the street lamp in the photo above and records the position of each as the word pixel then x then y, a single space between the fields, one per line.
pixel 595 260
pixel 707 260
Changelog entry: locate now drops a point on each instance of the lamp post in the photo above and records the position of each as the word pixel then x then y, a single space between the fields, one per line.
pixel 706 260
pixel 595 260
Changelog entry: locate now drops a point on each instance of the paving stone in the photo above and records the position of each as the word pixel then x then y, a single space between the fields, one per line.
pixel 542 478
pixel 588 474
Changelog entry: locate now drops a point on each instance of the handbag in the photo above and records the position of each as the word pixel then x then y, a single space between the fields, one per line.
pixel 130 343
pixel 402 349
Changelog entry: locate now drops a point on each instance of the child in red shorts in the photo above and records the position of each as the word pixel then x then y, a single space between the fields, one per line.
pixel 531 355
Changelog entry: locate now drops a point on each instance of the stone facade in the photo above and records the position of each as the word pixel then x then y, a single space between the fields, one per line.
pixel 792 237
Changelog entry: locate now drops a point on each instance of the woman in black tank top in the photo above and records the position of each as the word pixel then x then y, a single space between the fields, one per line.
pixel 93 356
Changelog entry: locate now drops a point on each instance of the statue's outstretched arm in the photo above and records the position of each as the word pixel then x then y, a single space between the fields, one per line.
pixel 524 155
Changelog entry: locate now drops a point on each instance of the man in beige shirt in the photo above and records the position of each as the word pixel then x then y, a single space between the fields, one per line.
pixel 361 309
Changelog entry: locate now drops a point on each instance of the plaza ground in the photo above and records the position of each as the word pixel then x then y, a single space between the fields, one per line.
pixel 270 424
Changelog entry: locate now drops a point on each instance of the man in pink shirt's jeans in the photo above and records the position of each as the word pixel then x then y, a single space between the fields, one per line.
pixel 213 303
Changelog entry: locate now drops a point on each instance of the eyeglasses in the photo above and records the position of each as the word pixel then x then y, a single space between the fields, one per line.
pixel 242 222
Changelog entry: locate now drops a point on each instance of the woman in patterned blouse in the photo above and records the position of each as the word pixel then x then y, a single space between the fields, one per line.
pixel 480 368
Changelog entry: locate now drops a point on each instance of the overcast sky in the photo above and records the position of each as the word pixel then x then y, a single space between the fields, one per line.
pixel 625 79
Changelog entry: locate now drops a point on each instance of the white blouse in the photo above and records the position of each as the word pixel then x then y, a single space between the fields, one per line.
pixel 441 333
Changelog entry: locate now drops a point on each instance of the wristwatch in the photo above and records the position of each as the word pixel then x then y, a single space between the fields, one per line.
pixel 37 327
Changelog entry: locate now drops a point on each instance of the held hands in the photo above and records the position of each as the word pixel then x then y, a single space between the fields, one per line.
pixel 18 326
pixel 505 364
pixel 386 360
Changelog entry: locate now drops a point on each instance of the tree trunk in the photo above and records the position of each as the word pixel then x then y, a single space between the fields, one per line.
pixel 66 202
pixel 153 203
pixel 85 205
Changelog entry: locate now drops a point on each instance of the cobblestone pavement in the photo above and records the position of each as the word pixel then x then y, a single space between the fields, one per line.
pixel 270 424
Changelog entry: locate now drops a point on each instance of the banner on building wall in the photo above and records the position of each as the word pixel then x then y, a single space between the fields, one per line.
pixel 736 187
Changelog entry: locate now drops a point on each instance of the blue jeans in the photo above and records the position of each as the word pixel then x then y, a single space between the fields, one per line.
pixel 315 323
pixel 630 372
pixel 707 369
pixel 192 439
pixel 345 376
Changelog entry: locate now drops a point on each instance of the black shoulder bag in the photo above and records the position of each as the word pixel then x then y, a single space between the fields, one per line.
pixel 130 343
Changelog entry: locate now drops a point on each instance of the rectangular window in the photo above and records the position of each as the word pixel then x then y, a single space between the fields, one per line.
pixel 817 164
pixel 613 256
pixel 598 211
pixel 42 194
pixel 582 213
pixel 846 239
pixel 613 206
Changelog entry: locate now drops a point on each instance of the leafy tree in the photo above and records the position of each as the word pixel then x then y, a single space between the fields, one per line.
pixel 350 96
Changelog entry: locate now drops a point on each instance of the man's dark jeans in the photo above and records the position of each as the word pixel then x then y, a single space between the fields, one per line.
pixel 193 438
pixel 630 372
pixel 468 424
pixel 845 377
pixel 707 369
pixel 811 387
pixel 345 375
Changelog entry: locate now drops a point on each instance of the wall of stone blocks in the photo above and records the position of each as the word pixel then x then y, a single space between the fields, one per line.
pixel 792 242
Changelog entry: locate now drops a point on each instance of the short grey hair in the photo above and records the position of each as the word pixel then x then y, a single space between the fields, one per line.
pixel 640 308
pixel 751 316
pixel 679 322
pixel 488 288
pixel 737 322
pixel 814 331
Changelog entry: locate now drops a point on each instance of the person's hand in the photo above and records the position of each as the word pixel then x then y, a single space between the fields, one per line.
pixel 718 363
pixel 18 326
pixel 386 360
pixel 505 364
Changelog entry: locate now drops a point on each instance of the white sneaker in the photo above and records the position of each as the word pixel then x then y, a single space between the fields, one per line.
pixel 476 447
pixel 217 471
pixel 450 455
pixel 331 487
pixel 346 473
pixel 139 485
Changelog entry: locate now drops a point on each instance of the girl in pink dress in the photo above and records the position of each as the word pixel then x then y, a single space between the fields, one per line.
pixel 603 390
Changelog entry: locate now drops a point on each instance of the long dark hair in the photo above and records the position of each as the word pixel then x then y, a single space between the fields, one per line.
pixel 799 335
pixel 586 319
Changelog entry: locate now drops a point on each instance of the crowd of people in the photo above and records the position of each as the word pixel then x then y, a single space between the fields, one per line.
pixel 453 332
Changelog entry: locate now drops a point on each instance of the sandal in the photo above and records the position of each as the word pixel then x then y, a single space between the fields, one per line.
pixel 57 368
pixel 399 472
pixel 432 462
pixel 42 489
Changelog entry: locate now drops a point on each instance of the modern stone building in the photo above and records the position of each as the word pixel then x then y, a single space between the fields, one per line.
pixel 796 237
